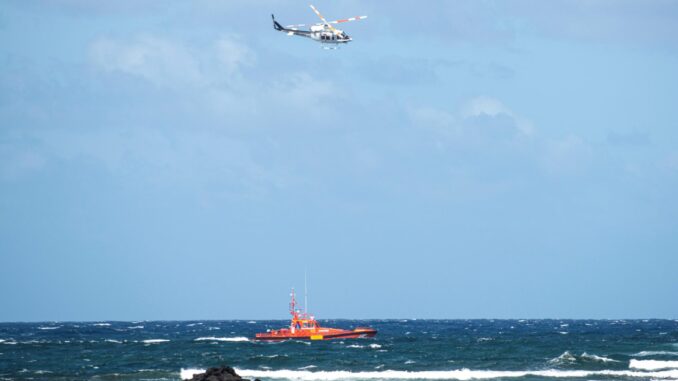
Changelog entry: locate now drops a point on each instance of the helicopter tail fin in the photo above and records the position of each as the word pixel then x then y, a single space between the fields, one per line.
pixel 276 25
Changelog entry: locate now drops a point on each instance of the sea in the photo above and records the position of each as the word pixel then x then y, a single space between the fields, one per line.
pixel 402 350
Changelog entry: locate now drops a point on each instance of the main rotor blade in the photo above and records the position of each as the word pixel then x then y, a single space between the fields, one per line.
pixel 347 20
pixel 324 20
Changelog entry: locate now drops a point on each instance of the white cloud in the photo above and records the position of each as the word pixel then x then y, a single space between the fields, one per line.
pixel 233 54
pixel 168 63
pixel 431 117
pixel 160 61
pixel 484 105
pixel 15 162
pixel 470 116
pixel 301 90
pixel 567 156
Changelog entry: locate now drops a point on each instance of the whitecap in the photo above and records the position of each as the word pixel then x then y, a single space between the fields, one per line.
pixel 136 327
pixel 655 353
pixel 563 358
pixel 212 338
pixel 410 362
pixel 49 327
pixel 375 346
pixel 102 324
pixel 653 364
pixel 563 333
pixel 251 322
pixel 307 367
pixel 458 374
pixel 187 374
pixel 355 346
pixel 586 356
pixel 154 341
pixel 113 341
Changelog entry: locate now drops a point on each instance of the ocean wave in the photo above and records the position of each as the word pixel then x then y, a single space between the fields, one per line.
pixel 565 357
pixel 655 353
pixel 653 364
pixel 136 327
pixel 588 357
pixel 211 338
pixel 49 327
pixel 307 367
pixel 569 358
pixel 187 374
pixel 459 374
pixel 113 341
pixel 101 324
pixel 154 341
pixel 375 346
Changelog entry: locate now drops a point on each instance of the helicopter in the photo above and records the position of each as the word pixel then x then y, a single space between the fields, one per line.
pixel 322 32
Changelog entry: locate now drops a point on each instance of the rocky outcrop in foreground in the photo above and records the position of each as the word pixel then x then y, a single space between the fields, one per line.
pixel 225 373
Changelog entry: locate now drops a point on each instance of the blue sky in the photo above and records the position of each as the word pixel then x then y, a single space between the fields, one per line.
pixel 458 159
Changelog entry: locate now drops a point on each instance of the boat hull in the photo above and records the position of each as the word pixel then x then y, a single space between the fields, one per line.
pixel 319 334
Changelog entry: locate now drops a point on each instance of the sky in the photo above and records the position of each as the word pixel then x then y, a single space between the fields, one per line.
pixel 458 159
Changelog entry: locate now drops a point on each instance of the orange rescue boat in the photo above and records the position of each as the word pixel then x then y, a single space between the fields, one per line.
pixel 304 327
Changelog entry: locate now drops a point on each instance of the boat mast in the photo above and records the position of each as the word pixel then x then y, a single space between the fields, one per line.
pixel 305 295
pixel 293 303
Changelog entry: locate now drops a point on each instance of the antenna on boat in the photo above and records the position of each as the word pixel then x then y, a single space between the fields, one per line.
pixel 305 294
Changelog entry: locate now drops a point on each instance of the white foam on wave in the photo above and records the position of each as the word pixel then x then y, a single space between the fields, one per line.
pixel 154 341
pixel 653 364
pixel 187 374
pixel 459 374
pixel 212 338
pixel 136 327
pixel 564 357
pixel 307 367
pixel 49 327
pixel 113 341
pixel 567 357
pixel 375 346
pixel 655 353
pixel 589 357
pixel 102 324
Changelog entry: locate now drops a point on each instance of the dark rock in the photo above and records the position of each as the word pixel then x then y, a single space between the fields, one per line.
pixel 224 373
